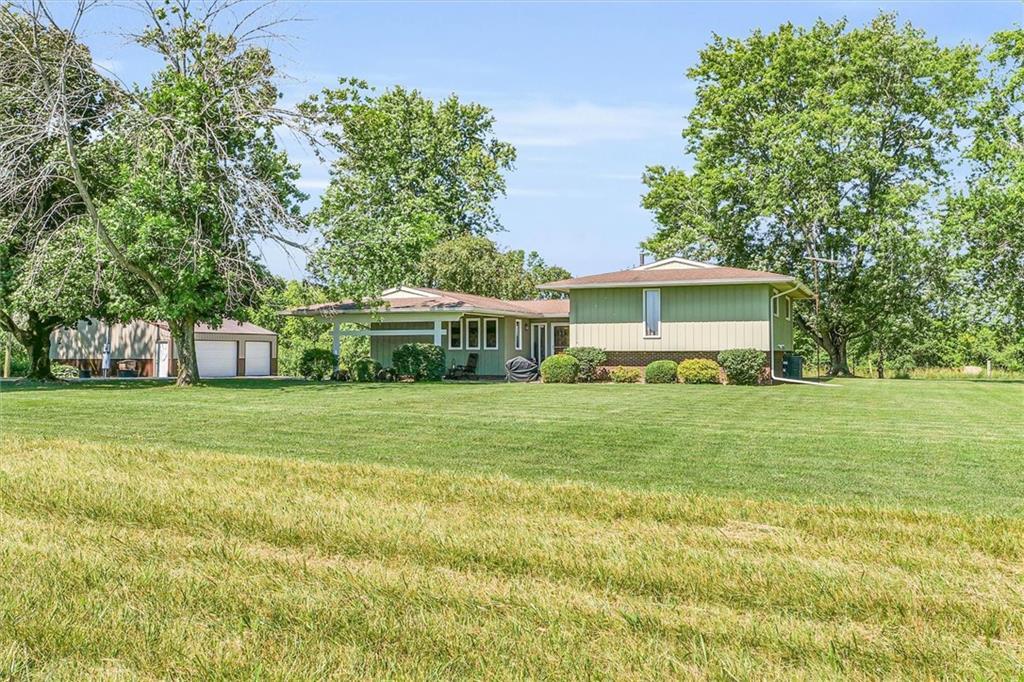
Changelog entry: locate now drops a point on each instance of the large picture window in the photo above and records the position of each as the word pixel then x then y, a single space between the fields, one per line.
pixel 652 313
pixel 473 334
pixel 455 335
pixel 490 334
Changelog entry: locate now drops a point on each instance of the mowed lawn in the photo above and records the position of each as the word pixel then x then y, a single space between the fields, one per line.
pixel 939 445
pixel 249 530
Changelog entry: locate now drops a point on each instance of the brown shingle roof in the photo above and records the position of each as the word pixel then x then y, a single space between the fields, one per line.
pixel 697 275
pixel 227 327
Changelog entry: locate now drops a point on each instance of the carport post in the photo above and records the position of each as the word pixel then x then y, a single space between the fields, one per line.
pixel 336 341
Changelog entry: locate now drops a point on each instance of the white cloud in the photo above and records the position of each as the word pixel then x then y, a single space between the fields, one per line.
pixel 550 125
pixel 111 65
pixel 312 183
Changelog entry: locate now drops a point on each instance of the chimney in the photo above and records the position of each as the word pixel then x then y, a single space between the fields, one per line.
pixel 643 256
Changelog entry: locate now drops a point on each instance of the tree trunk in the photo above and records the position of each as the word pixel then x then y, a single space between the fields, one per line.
pixel 835 346
pixel 881 363
pixel 35 337
pixel 184 336
pixel 38 349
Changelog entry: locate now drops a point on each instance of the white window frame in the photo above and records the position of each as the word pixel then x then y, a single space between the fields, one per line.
pixel 789 308
pixel 644 321
pixel 775 306
pixel 454 323
pixel 479 333
pixel 519 334
pixel 497 333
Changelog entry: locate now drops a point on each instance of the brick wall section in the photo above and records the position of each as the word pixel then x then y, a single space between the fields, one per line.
pixel 642 358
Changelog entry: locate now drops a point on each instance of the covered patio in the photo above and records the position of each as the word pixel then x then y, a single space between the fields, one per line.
pixel 464 325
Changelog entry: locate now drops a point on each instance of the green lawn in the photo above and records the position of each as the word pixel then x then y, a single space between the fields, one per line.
pixel 955 445
pixel 248 530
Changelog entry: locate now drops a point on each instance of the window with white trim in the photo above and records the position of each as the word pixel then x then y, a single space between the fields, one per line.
pixel 455 335
pixel 473 333
pixel 519 334
pixel 490 334
pixel 652 313
pixel 789 308
pixel 775 306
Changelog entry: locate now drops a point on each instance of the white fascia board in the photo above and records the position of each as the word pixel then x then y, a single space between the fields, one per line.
pixel 669 283
pixel 389 332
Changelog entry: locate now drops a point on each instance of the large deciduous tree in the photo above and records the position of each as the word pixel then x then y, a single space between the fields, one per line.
pixel 818 152
pixel 985 222
pixel 48 263
pixel 199 178
pixel 476 265
pixel 408 173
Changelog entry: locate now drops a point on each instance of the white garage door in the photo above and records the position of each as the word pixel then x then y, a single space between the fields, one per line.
pixel 217 358
pixel 257 358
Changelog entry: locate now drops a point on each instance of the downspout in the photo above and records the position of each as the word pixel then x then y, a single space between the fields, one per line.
pixel 771 343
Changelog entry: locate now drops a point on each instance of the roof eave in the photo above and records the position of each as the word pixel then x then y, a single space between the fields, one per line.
pixel 555 286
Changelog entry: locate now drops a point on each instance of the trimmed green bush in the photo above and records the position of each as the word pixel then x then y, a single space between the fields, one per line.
pixel 625 375
pixel 743 366
pixel 660 372
pixel 560 369
pixel 698 371
pixel 61 371
pixel 419 361
pixel 316 364
pixel 364 369
pixel 590 359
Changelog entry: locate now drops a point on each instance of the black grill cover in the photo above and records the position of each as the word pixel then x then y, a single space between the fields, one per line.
pixel 521 369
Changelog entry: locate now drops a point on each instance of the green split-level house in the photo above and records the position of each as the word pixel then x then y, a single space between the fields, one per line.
pixel 672 308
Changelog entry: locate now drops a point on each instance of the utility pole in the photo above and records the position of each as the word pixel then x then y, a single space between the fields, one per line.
pixel 817 306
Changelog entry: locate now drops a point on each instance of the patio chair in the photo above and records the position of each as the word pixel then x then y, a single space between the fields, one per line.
pixel 466 370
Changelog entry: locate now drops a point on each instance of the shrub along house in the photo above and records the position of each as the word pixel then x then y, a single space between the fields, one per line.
pixel 669 309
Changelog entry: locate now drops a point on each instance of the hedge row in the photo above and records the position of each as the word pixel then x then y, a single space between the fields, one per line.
pixel 426 362
pixel 736 366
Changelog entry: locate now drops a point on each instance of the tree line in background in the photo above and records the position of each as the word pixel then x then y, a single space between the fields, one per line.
pixel 881 168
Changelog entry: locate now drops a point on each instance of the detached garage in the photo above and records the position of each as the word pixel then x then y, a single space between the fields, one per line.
pixel 145 349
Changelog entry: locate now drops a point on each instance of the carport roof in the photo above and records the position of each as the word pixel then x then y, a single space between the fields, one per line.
pixel 423 299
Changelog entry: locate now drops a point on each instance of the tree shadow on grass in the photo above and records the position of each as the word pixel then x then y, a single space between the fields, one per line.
pixel 168 385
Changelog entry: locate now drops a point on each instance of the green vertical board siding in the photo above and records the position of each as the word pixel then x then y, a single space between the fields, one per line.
pixel 782 329
pixel 718 303
pixel 489 362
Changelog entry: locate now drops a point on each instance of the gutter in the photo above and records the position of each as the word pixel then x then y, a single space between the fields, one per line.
pixel 771 340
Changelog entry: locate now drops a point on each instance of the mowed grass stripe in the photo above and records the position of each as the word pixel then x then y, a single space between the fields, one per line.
pixel 197 564
pixel 941 445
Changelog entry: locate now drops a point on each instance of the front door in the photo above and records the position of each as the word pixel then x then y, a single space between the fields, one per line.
pixel 161 359
pixel 539 341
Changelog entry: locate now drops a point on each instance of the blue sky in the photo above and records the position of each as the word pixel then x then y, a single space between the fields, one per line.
pixel 590 94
